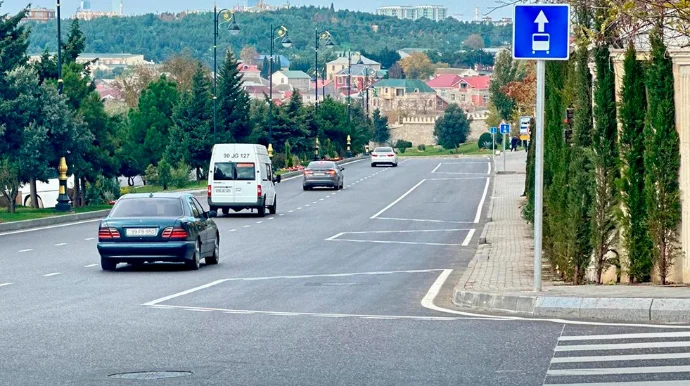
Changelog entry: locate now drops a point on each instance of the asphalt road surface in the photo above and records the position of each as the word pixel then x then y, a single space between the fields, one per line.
pixel 346 287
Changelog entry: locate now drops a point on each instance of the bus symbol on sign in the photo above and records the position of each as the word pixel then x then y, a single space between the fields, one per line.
pixel 540 42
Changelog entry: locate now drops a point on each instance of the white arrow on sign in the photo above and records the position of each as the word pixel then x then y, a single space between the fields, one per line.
pixel 541 20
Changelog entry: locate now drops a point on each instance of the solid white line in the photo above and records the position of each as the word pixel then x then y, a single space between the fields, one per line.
pixel 51 274
pixel 620 346
pixel 616 358
pixel 60 244
pixel 409 231
pixel 436 168
pixel 90 265
pixel 481 202
pixel 428 299
pixel 489 172
pixel 89 238
pixel 49 227
pixel 186 292
pixel 627 336
pixel 374 273
pixel 463 173
pixel 620 371
pixel 424 220
pixel 397 242
pixel 398 200
pixel 25 250
pixel 5 284
pixel 641 383
pixel 456 178
pixel 467 240
pixel 335 237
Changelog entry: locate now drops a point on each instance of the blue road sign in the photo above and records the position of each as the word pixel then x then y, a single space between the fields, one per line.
pixel 505 128
pixel 494 130
pixel 541 32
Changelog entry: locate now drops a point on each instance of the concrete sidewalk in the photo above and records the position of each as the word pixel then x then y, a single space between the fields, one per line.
pixel 500 276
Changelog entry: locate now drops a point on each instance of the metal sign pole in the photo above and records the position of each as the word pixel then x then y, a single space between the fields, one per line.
pixel 504 152
pixel 493 145
pixel 539 174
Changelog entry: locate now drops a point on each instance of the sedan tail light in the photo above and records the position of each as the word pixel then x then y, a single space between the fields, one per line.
pixel 308 172
pixel 332 172
pixel 175 233
pixel 374 155
pixel 105 233
pixel 208 191
pixel 391 155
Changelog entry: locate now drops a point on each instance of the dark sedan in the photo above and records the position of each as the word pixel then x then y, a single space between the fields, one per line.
pixel 151 227
pixel 323 174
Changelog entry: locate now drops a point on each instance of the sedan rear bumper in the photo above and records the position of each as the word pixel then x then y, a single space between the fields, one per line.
pixel 312 182
pixel 147 251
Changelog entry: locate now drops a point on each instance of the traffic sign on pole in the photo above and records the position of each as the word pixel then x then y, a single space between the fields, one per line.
pixel 541 32
pixel 494 130
pixel 505 128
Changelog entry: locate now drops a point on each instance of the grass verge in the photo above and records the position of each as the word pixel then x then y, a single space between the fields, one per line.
pixel 467 148
pixel 157 188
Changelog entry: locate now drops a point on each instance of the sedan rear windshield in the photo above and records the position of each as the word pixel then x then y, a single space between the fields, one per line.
pixel 383 150
pixel 231 171
pixel 148 207
pixel 321 165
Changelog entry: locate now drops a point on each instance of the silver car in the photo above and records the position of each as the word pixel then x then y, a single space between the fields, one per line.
pixel 384 155
pixel 323 174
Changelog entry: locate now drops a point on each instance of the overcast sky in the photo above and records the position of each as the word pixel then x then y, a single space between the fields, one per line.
pixel 455 7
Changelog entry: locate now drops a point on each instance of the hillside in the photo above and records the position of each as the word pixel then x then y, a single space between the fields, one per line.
pixel 158 39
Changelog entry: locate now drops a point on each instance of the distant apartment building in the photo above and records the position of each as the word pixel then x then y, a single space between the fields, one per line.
pixel 431 12
pixel 40 14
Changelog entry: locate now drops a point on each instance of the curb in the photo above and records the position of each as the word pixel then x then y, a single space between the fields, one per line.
pixel 55 220
pixel 643 310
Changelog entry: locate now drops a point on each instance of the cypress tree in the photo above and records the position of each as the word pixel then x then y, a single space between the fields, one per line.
pixel 661 157
pixel 264 68
pixel 633 215
pixel 604 153
pixel 381 132
pixel 233 123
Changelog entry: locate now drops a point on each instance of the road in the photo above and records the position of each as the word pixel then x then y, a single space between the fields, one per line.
pixel 343 287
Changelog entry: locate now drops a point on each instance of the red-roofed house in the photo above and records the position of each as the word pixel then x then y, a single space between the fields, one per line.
pixel 468 92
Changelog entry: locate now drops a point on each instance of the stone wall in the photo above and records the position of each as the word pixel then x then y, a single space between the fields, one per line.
pixel 420 130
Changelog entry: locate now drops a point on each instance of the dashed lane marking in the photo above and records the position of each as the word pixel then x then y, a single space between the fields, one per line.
pixel 90 265
pixel 25 250
pixel 89 238
pixel 233 230
pixel 51 274
pixel 60 244
pixel 5 284
pixel 246 226
pixel 259 222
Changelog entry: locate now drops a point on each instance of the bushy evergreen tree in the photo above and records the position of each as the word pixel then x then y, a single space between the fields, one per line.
pixel 661 158
pixel 233 123
pixel 633 110
pixel 452 129
pixel 381 132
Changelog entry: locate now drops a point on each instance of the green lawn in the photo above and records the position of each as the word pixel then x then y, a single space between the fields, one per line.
pixel 192 185
pixel 468 148
pixel 25 213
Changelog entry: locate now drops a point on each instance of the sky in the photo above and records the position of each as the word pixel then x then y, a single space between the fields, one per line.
pixel 132 7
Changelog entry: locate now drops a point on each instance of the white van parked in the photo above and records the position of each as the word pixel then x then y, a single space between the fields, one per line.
pixel 241 177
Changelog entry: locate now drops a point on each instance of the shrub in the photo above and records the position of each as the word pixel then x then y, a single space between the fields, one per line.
pixel 421 147
pixel 485 141
pixel 279 161
pixel 164 174
pixel 402 145
pixel 102 191
pixel 179 177
pixel 151 175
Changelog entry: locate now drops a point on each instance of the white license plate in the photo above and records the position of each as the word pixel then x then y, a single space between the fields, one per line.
pixel 223 190
pixel 141 232
pixel 319 174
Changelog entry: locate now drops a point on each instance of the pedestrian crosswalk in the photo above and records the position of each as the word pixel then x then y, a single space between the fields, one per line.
pixel 635 359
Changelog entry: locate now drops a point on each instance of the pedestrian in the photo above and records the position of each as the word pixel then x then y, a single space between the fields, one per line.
pixel 513 144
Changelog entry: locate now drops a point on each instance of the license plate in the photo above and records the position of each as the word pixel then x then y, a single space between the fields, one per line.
pixel 141 232
pixel 223 190
pixel 319 174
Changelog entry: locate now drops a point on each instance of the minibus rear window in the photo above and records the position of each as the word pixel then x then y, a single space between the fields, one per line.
pixel 230 171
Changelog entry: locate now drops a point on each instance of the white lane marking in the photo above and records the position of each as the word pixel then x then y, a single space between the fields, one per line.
pixel 186 292
pixel 25 250
pixel 467 240
pixel 246 226
pixel 489 172
pixel 60 244
pixel 398 200
pixel 306 206
pixel 462 173
pixel 620 371
pixel 271 218
pixel 481 202
pixel 616 358
pixel 374 273
pixel 90 265
pixel 51 274
pixel 89 238
pixel 456 178
pixel 397 242
pixel 5 284
pixel 316 202
pixel 316 314
pixel 335 237
pixel 620 346
pixel 428 302
pixel 49 227
pixel 351 162
pixel 283 214
pixel 424 220
pixel 259 222
pixel 232 230
pixel 300 208
pixel 625 336
pixel 642 383
pixel 408 231
pixel 321 199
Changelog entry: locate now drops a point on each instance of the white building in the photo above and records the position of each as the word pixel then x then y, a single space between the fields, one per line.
pixel 432 12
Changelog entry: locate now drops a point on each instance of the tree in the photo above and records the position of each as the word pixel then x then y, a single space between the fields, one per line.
pixel 417 66
pixel 181 68
pixel 396 71
pixel 474 41
pixel 265 68
pixel 381 131
pixel 46 66
pixel 134 81
pixel 661 157
pixel 633 109
pixel 191 138
pixel 75 43
pixel 605 154
pixel 248 54
pixel 452 129
pixel 505 71
pixel 233 123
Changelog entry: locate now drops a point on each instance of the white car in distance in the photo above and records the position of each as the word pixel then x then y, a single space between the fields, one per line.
pixel 384 155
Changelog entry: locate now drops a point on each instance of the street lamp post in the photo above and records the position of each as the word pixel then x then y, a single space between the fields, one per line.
pixel 349 82
pixel 286 43
pixel 63 201
pixel 234 30
pixel 329 43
